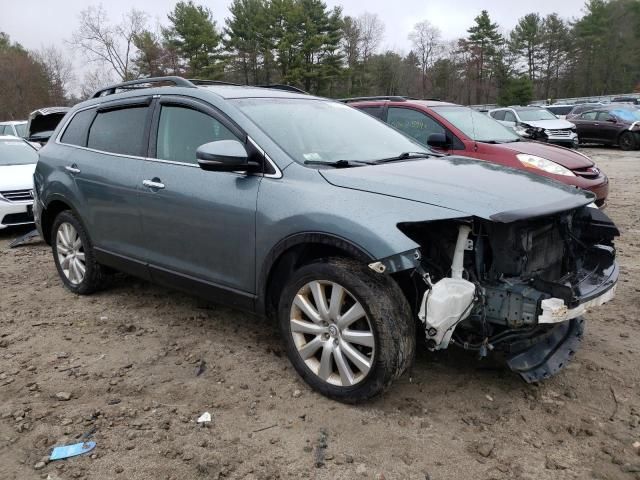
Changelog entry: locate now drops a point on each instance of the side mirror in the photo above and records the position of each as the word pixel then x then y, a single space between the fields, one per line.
pixel 223 156
pixel 438 140
pixel 612 120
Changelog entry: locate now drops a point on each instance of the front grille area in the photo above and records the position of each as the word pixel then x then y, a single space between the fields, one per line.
pixel 589 172
pixel 17 218
pixel 559 133
pixel 17 195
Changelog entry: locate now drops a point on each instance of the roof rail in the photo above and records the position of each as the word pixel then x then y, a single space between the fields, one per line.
pixel 110 90
pixel 281 86
pixel 392 98
pixel 180 82
pixel 198 81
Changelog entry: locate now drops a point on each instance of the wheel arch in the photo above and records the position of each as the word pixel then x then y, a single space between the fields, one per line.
pixel 635 139
pixel 55 205
pixel 293 252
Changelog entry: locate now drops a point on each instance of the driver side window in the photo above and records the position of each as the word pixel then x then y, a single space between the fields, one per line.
pixel 605 117
pixel 415 124
pixel 182 130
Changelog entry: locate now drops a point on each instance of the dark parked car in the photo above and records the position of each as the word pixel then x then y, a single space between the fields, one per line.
pixel 348 232
pixel 612 125
pixel 631 100
pixel 581 108
pixel 472 134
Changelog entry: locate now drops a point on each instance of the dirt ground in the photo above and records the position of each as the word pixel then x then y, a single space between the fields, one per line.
pixel 122 367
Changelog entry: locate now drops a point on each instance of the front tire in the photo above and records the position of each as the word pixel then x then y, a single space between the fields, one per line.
pixel 348 331
pixel 74 256
pixel 627 141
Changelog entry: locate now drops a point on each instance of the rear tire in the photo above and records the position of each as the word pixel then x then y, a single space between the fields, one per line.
pixel 627 141
pixel 74 256
pixel 342 358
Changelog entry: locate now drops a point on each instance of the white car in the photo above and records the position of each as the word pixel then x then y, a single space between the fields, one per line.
pixel 17 163
pixel 14 128
pixel 537 123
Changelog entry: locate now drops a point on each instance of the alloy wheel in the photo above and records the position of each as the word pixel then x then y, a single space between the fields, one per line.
pixel 71 253
pixel 332 333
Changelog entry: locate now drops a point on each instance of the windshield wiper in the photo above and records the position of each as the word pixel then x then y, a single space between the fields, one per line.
pixel 498 142
pixel 339 163
pixel 405 156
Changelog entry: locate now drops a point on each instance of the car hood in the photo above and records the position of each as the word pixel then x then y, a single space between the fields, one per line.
pixel 472 187
pixel 564 156
pixel 16 177
pixel 549 124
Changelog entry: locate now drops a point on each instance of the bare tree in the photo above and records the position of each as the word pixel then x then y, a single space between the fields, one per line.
pixel 94 80
pixel 59 70
pixel 427 45
pixel 107 43
pixel 371 34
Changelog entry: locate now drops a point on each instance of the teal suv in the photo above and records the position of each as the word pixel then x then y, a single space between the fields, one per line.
pixel 356 238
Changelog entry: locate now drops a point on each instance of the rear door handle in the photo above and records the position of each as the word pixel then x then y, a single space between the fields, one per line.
pixel 153 184
pixel 72 168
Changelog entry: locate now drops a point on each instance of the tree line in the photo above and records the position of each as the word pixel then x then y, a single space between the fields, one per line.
pixel 319 49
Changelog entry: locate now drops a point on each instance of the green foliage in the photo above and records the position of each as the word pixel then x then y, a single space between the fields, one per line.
pixel 192 33
pixel 150 55
pixel 516 91
pixel 526 38
pixel 482 44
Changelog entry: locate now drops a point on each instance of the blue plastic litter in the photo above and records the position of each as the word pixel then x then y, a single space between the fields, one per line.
pixel 67 451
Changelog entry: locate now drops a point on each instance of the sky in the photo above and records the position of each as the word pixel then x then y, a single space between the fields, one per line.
pixel 39 23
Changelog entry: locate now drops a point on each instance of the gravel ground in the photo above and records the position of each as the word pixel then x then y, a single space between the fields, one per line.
pixel 124 365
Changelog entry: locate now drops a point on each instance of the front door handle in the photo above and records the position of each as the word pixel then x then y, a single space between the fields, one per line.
pixel 72 169
pixel 155 184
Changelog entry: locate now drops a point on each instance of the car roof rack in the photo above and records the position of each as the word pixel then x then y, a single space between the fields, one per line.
pixel 132 84
pixel 198 81
pixel 282 86
pixel 180 82
pixel 391 98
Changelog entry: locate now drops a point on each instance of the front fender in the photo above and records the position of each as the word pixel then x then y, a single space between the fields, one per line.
pixel 304 202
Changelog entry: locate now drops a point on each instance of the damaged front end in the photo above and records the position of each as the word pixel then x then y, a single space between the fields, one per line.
pixel 518 286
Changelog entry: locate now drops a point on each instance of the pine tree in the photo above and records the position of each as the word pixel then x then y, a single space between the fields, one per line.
pixel 193 35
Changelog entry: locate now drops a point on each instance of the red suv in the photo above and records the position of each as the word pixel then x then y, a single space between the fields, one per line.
pixel 455 129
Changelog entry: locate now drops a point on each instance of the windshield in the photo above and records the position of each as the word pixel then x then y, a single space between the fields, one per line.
pixel 477 126
pixel 324 131
pixel 16 152
pixel 627 115
pixel 21 128
pixel 535 114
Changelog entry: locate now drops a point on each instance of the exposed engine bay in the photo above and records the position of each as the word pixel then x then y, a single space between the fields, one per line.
pixel 519 287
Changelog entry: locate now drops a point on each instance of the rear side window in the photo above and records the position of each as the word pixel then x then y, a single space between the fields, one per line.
pixel 182 130
pixel 589 116
pixel 498 115
pixel 77 130
pixel 119 131
pixel 373 111
pixel 509 116
pixel 415 124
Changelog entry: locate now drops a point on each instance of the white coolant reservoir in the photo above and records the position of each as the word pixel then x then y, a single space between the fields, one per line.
pixel 446 304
